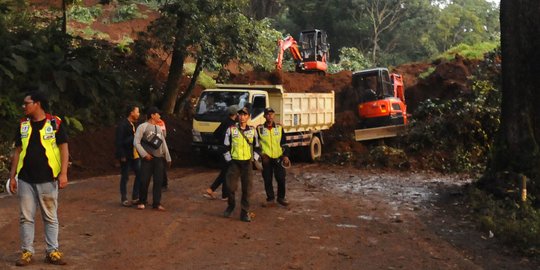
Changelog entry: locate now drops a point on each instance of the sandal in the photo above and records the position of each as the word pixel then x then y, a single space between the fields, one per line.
pixel 209 194
pixel 126 203
pixel 159 208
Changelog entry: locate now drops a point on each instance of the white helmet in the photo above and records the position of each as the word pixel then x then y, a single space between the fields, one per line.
pixel 8 189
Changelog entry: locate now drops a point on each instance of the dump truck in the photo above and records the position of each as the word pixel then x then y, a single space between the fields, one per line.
pixel 304 116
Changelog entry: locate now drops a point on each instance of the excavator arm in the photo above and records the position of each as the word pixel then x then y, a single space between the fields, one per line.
pixel 283 45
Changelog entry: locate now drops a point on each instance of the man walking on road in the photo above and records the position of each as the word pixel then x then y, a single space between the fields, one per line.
pixel 219 134
pixel 128 155
pixel 241 139
pixel 40 163
pixel 275 152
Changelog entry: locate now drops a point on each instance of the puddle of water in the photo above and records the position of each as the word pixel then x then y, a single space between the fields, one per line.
pixel 347 226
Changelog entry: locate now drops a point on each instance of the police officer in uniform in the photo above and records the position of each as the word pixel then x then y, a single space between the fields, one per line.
pixel 241 139
pixel 274 152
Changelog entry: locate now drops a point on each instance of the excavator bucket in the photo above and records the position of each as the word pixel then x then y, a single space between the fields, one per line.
pixel 378 132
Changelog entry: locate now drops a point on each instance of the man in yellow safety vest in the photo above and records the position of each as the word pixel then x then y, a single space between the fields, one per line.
pixel 275 155
pixel 38 169
pixel 240 138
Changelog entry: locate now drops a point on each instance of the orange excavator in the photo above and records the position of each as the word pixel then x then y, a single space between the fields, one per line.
pixel 381 106
pixel 310 53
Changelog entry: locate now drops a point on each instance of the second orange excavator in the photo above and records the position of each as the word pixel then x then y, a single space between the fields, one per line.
pixel 310 53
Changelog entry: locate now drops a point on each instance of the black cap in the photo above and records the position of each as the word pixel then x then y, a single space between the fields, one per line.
pixel 232 110
pixel 269 110
pixel 244 110
pixel 153 110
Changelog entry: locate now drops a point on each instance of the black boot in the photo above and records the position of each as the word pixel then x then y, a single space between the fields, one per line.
pixel 244 216
pixel 228 212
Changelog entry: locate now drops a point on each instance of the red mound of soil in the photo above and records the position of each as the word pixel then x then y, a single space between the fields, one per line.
pixel 92 152
pixel 297 82
pixel 448 80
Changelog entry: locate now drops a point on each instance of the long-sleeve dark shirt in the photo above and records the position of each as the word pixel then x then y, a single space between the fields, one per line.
pixel 219 133
pixel 124 139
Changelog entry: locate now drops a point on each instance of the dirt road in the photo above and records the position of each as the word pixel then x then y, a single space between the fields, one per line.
pixel 340 218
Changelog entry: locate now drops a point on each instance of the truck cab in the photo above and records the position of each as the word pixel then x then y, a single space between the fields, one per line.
pixel 211 109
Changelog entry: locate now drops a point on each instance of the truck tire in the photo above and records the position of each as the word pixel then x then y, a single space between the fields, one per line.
pixel 314 149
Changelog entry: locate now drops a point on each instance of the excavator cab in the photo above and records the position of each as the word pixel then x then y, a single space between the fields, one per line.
pixel 381 98
pixel 310 52
pixel 313 45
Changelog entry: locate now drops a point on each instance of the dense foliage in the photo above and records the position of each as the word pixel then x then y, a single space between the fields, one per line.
pixel 214 33
pixel 392 32
pixel 458 133
pixel 80 77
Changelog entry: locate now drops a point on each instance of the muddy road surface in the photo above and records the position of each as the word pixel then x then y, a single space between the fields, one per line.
pixel 339 218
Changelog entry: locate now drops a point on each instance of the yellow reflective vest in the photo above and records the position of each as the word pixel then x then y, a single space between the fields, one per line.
pixel 240 148
pixel 270 140
pixel 47 136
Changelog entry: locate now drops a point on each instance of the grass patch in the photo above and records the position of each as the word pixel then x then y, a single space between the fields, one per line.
pixel 203 80
pixel 426 73
pixel 516 224
pixel 88 33
pixel 124 45
pixel 475 51
pixel 126 13
pixel 85 15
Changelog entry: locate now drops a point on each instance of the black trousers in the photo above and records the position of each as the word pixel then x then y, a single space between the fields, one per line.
pixel 220 179
pixel 240 170
pixel 151 169
pixel 272 167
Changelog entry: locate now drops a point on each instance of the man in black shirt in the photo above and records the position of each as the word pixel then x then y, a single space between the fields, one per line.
pixel 127 155
pixel 219 135
pixel 40 163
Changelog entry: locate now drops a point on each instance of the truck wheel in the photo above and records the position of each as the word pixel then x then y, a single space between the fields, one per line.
pixel 315 149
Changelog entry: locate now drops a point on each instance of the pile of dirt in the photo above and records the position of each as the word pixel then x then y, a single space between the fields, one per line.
pixel 449 79
pixel 297 82
pixel 92 152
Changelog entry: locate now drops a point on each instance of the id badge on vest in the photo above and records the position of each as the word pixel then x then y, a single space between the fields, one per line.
pixel 49 133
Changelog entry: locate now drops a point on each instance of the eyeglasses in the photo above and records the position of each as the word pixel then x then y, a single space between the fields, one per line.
pixel 26 103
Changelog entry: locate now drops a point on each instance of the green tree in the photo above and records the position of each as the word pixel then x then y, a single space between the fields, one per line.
pixel 466 21
pixel 393 31
pixel 517 145
pixel 213 32
pixel 80 77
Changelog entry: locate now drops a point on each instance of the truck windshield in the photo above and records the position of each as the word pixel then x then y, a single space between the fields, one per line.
pixel 212 105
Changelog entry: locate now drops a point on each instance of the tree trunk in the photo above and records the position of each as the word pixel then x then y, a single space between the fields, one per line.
pixel 64 17
pixel 172 87
pixel 260 9
pixel 517 145
pixel 182 102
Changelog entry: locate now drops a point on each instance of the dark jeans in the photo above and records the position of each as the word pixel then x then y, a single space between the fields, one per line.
pixel 272 167
pixel 135 166
pixel 151 169
pixel 220 180
pixel 165 177
pixel 239 169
